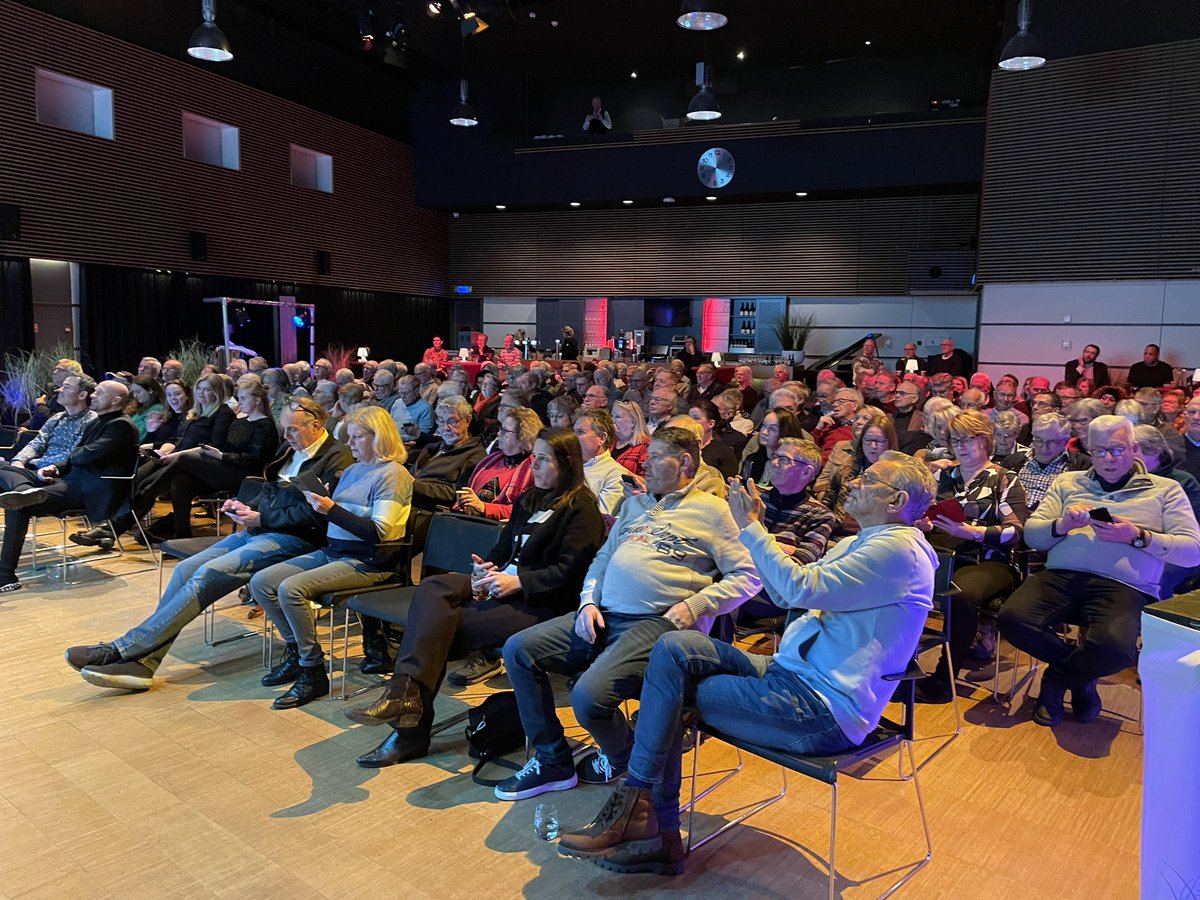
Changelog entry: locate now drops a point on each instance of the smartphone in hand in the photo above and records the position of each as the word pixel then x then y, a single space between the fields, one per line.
pixel 1101 514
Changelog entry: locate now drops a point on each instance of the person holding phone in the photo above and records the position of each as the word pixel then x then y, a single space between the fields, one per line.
pixel 276 524
pixel 1097 574
pixel 992 500
pixel 367 512
pixel 533 573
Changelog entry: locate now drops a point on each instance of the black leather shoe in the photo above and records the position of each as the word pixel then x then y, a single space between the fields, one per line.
pixel 376 665
pixel 1085 702
pixel 400 746
pixel 288 669
pixel 312 683
pixel 1049 710
pixel 400 703
pixel 100 536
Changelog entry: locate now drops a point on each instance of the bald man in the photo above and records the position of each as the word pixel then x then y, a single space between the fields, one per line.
pixel 108 446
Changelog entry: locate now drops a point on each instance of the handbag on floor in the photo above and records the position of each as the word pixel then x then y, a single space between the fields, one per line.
pixel 494 729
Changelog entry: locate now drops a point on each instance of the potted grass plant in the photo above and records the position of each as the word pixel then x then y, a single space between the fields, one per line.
pixel 792 329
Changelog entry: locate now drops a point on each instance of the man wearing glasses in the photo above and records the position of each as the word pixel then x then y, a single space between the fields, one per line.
pixel 823 691
pixel 1048 457
pixel 276 525
pixel 838 425
pixel 1107 531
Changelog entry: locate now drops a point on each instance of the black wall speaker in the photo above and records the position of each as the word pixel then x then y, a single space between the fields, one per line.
pixel 198 245
pixel 10 222
pixel 324 262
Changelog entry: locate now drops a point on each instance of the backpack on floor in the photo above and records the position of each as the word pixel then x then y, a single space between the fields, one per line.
pixel 494 729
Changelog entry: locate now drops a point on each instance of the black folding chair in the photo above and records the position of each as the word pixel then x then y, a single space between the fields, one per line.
pixel 888 736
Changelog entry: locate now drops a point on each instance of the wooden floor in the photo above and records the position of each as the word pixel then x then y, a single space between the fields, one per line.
pixel 197 788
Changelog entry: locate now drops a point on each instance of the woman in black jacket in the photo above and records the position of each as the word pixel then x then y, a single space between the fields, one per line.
pixel 534 573
pixel 250 443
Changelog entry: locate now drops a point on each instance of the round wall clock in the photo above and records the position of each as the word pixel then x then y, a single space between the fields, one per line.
pixel 715 168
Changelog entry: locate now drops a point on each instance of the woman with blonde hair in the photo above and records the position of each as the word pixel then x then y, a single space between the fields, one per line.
pixel 993 512
pixel 633 440
pixel 367 515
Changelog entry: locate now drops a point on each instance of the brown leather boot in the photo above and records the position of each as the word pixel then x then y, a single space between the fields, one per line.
pixel 399 703
pixel 627 819
pixel 669 859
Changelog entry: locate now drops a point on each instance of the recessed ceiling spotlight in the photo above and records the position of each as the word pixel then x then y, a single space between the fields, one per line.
pixel 741 54
pixel 801 193
pixel 668 199
pixel 532 14
pixel 627 202
pixel 501 206
pixel 574 202
pixel 866 43
pixel 434 8
pixel 710 199
pixel 633 74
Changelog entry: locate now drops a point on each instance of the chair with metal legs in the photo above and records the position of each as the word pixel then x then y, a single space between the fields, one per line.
pixel 888 736
pixel 944 592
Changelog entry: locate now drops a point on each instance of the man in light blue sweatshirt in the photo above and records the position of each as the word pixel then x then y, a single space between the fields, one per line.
pixel 671 561
pixel 823 691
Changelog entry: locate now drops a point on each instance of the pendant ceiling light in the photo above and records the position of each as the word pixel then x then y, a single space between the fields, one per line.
pixel 704 106
pixel 702 15
pixel 208 41
pixel 1022 52
pixel 464 113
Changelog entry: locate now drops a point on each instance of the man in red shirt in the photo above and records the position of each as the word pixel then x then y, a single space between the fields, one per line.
pixel 436 356
pixel 509 355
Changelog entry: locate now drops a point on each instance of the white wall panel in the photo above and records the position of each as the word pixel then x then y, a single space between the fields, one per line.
pixel 1091 302
pixel 1022 326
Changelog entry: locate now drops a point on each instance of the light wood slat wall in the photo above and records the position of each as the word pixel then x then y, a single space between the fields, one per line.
pixel 132 201
pixel 1092 170
pixel 822 248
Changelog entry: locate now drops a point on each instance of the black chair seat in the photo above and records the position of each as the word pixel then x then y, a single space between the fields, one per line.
pixel 182 548
pixel 822 768
pixel 390 605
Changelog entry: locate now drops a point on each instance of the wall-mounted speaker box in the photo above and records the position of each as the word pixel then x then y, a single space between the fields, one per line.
pixel 941 272
pixel 198 245
pixel 324 262
pixel 10 222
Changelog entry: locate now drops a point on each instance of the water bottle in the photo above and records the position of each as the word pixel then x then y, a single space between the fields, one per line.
pixel 545 821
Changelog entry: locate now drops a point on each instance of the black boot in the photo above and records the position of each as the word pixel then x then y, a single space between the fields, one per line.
pixel 312 683
pixel 100 536
pixel 403 701
pixel 377 655
pixel 403 744
pixel 288 669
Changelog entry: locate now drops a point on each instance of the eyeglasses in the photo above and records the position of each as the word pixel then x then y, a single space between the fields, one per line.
pixel 784 461
pixel 450 420
pixel 1114 452
pixel 869 478
pixel 839 400
pixel 875 442
pixel 1043 442
pixel 963 441
pixel 509 432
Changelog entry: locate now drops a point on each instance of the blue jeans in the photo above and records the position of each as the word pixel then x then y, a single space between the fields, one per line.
pixel 612 670
pixel 200 581
pixel 285 589
pixel 740 694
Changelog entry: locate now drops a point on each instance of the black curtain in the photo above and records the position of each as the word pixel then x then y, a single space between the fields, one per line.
pixel 129 313
pixel 16 305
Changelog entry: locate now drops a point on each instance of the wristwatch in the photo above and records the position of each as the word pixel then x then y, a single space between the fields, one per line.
pixel 1142 539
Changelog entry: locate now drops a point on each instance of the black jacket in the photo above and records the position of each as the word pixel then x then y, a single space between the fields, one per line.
pixel 1099 371
pixel 555 558
pixel 281 506
pixel 107 447
pixel 440 471
pixel 212 429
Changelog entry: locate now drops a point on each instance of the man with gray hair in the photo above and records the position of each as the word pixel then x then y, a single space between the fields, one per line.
pixel 824 690
pixel 172 370
pixel 671 561
pixel 384 388
pixel 107 447
pixel 1108 532
pixel 1046 459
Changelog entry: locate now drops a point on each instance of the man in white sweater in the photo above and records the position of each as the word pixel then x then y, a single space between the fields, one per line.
pixel 1107 532
pixel 822 692
pixel 672 561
